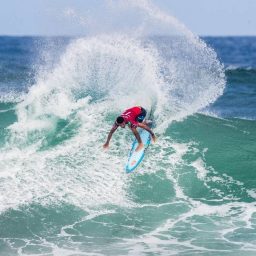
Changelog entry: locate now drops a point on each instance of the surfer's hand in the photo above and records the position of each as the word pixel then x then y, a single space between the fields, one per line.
pixel 153 137
pixel 106 146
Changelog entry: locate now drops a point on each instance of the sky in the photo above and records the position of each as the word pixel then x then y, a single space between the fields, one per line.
pixel 69 17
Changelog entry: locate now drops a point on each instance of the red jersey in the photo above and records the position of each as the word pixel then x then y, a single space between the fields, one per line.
pixel 130 115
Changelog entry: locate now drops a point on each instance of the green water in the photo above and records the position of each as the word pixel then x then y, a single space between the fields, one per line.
pixel 193 194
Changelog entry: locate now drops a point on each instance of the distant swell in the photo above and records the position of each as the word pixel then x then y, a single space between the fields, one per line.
pixel 242 75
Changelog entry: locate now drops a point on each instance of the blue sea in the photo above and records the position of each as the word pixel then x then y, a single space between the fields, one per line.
pixel 62 194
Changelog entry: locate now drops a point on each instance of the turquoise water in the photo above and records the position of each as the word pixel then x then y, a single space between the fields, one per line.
pixel 62 194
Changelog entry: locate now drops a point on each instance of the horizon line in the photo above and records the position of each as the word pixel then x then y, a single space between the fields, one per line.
pixel 41 35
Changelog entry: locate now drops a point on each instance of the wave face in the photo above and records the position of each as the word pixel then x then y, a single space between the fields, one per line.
pixel 62 194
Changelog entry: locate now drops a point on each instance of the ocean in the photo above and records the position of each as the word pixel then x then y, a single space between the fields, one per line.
pixel 62 194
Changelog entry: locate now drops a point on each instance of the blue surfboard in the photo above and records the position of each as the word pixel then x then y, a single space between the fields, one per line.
pixel 135 157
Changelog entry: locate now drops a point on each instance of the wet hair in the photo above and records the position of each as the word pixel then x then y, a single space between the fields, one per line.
pixel 119 120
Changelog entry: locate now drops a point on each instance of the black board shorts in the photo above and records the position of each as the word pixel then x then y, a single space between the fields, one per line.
pixel 142 115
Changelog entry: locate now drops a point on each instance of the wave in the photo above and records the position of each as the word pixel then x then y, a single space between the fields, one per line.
pixel 53 151
pixel 54 171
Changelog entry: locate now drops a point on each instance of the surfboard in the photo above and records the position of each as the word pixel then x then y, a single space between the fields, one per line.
pixel 136 157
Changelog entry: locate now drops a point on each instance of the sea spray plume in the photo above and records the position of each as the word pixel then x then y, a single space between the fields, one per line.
pixel 155 13
pixel 207 76
pixel 101 68
pixel 76 17
pixel 191 73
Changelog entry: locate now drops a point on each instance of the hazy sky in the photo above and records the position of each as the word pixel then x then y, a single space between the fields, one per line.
pixel 57 17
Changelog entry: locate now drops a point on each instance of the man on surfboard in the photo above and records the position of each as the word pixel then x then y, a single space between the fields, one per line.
pixel 134 118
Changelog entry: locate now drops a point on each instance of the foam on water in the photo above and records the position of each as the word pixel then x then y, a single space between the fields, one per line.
pixel 205 224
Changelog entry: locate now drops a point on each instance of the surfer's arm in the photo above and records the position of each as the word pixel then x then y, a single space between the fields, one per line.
pixel 110 136
pixel 145 127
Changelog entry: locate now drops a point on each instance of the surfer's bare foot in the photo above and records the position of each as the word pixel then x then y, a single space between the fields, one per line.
pixel 139 147
pixel 106 146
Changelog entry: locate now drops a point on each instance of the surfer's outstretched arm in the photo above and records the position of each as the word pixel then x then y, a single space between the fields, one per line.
pixel 106 145
pixel 145 127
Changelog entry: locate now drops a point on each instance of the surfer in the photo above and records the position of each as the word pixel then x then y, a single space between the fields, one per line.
pixel 134 117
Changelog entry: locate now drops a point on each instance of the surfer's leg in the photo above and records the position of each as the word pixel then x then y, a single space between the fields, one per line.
pixel 138 138
pixel 139 147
